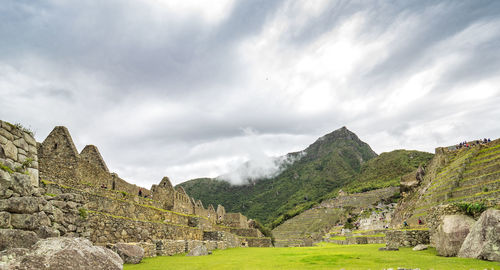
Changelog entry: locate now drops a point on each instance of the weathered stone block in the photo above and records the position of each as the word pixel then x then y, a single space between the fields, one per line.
pixel 9 163
pixel 10 150
pixel 6 134
pixel 21 157
pixel 29 139
pixel 5 180
pixel 4 220
pixel 21 184
pixel 16 239
pixel 32 150
pixel 199 250
pixel 3 140
pixel 22 205
pixel 21 143
pixel 451 234
pixel 33 173
pixel 29 221
pixel 46 232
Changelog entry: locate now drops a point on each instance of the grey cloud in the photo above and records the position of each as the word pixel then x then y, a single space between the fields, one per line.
pixel 95 66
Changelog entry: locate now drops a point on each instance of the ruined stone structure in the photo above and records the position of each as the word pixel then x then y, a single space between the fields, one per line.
pixel 18 150
pixel 49 189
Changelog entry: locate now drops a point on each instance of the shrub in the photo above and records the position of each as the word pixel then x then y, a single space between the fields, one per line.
pixel 83 213
pixel 471 209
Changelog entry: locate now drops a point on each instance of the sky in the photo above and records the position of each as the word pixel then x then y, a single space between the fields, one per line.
pixel 188 89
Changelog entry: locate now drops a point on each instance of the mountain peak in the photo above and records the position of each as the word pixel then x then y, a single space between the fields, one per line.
pixel 341 133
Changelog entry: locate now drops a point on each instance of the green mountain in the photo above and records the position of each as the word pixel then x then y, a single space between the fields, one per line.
pixel 333 161
pixel 338 160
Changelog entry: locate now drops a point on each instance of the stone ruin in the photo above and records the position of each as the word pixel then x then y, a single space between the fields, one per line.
pixel 49 189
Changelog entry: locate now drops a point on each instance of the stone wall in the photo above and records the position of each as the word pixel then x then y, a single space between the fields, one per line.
pixel 91 154
pixel 235 220
pixel 230 239
pixel 359 240
pixel 106 228
pixel 18 150
pixel 258 242
pixel 221 214
pixel 406 238
pixel 164 192
pixel 182 202
pixel 25 207
pixel 58 157
pixel 246 232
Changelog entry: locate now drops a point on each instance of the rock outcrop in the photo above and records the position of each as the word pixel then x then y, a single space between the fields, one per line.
pixel 483 241
pixel 61 253
pixel 451 234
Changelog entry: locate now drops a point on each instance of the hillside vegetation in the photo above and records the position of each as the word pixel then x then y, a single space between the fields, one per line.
pixel 329 163
pixel 339 160
pixel 386 170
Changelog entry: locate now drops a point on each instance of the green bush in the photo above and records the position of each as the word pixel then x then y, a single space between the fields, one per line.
pixel 83 213
pixel 471 209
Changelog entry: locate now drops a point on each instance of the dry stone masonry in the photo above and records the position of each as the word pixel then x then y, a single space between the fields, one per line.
pixel 49 189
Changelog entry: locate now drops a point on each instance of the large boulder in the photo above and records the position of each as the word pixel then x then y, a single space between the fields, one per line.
pixel 198 251
pixel 61 253
pixel 451 233
pixel 130 253
pixel 483 241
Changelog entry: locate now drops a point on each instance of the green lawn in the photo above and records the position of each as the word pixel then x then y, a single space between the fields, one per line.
pixel 324 256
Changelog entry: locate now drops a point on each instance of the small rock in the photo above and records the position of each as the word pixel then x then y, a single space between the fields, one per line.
pixel 388 249
pixel 198 251
pixel 420 247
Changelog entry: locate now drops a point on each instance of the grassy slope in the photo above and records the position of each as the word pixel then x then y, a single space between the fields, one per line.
pixel 387 169
pixel 325 256
pixel 331 162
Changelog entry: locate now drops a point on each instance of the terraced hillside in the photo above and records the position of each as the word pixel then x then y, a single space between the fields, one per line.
pixel 306 227
pixel 455 175
pixel 312 224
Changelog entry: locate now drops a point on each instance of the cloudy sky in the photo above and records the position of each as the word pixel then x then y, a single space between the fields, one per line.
pixel 190 88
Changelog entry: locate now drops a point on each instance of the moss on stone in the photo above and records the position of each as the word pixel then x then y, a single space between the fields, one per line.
pixel 5 168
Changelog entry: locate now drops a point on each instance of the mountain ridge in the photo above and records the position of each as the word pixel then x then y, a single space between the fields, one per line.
pixel 328 163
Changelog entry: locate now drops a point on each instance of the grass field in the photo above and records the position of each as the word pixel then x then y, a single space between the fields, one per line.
pixel 324 256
